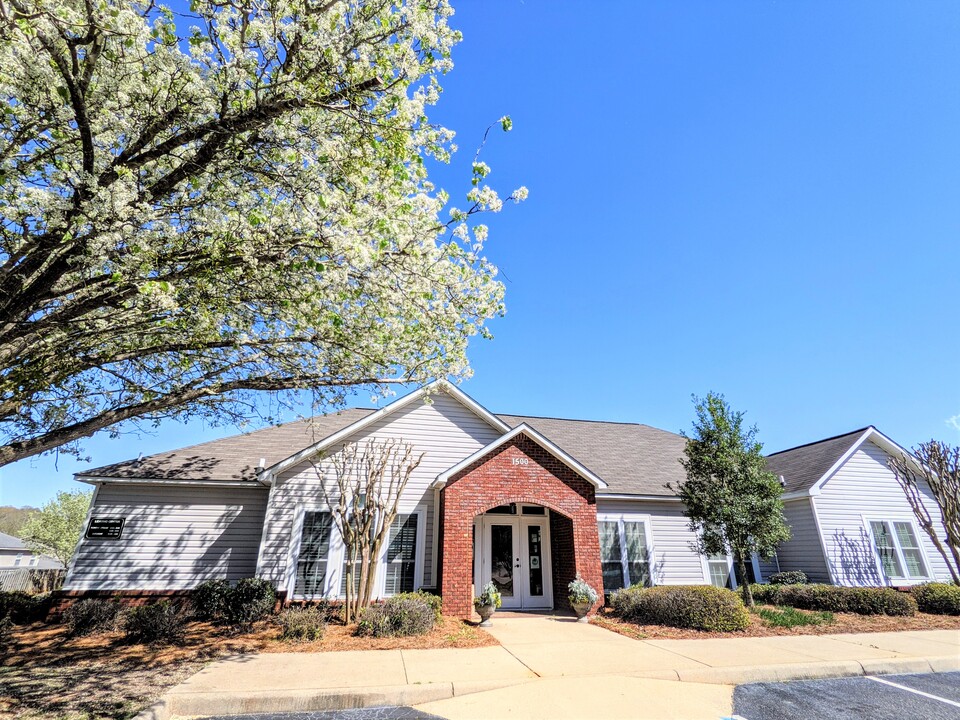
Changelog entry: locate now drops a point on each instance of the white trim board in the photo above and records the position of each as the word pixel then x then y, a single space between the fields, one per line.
pixel 539 439
pixel 99 480
pixel 871 434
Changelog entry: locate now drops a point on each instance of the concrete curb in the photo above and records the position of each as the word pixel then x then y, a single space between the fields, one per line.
pixel 741 675
pixel 176 704
pixel 184 704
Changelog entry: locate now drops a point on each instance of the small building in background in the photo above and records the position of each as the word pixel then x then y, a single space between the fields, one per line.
pixel 14 553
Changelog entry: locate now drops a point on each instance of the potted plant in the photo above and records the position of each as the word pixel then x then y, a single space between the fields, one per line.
pixel 487 603
pixel 582 597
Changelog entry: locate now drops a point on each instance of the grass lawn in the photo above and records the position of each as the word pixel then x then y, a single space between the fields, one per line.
pixel 767 621
pixel 45 674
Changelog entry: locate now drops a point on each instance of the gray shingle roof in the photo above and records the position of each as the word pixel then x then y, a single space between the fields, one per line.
pixel 233 458
pixel 802 466
pixel 9 542
pixel 630 458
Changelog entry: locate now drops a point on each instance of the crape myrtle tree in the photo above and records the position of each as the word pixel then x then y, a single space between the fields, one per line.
pixel 733 503
pixel 934 465
pixel 368 480
pixel 202 205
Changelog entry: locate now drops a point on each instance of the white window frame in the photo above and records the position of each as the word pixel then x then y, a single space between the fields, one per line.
pixel 708 579
pixel 620 519
pixel 333 580
pixel 890 519
pixel 293 556
pixel 754 561
pixel 19 560
pixel 381 582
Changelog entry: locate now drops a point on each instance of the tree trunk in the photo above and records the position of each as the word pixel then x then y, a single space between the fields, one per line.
pixel 745 581
pixel 350 606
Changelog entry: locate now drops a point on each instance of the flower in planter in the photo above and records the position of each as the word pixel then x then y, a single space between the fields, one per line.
pixel 488 596
pixel 581 593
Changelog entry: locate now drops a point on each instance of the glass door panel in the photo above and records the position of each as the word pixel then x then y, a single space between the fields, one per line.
pixel 535 560
pixel 502 559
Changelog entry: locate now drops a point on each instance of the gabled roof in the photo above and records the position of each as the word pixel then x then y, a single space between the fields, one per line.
pixel 632 459
pixel 807 467
pixel 804 465
pixel 539 439
pixel 437 386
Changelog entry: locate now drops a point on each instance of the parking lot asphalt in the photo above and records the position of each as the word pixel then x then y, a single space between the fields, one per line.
pixel 889 697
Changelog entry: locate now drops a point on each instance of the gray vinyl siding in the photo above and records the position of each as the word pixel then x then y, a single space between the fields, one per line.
pixel 803 551
pixel 768 566
pixel 174 537
pixel 675 557
pixel 444 430
pixel 864 488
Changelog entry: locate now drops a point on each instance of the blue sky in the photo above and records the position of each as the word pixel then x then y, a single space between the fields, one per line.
pixel 755 198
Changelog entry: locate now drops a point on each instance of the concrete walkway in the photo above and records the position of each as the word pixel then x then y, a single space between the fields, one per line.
pixel 550 666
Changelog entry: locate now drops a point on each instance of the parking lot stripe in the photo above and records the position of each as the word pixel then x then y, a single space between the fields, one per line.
pixel 910 689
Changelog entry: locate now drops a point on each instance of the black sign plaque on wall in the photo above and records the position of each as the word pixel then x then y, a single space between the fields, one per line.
pixel 105 528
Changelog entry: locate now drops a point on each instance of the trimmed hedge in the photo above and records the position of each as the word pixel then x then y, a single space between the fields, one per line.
pixel 789 577
pixel 91 615
pixel 938 598
pixel 159 624
pixel 699 607
pixel 400 615
pixel 834 598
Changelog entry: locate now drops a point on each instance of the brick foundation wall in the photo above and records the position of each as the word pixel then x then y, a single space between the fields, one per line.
pixel 501 478
pixel 62 599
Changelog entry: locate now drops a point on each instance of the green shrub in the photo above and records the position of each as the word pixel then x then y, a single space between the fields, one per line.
pixel 210 599
pixel 252 599
pixel 434 601
pixel 303 624
pixel 834 598
pixel 879 601
pixel 788 617
pixel 700 607
pixel 21 607
pixel 765 594
pixel 91 615
pixel 789 577
pixel 401 615
pixel 938 598
pixel 159 624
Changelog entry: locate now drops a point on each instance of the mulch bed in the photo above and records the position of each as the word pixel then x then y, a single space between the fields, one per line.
pixel 843 623
pixel 45 674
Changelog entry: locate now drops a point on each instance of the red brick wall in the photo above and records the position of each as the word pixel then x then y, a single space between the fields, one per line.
pixel 563 557
pixel 496 480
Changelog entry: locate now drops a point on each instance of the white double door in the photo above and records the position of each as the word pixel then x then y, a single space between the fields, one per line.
pixel 514 553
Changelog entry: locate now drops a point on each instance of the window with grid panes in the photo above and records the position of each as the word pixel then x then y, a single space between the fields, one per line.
pixel 314 553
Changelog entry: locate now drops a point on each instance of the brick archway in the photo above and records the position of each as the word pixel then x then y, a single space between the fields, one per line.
pixel 520 471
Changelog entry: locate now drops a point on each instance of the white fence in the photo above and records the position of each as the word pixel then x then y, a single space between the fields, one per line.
pixel 31 580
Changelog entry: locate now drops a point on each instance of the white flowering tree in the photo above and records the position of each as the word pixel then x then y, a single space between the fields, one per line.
pixel 197 207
